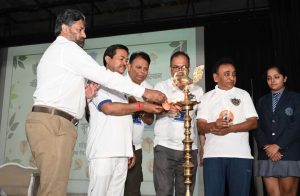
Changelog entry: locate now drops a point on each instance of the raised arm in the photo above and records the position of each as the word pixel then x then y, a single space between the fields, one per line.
pixel 87 67
pixel 119 109
pixel 147 118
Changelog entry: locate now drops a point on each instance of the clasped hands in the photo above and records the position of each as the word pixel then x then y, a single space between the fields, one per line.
pixel 221 127
pixel 272 151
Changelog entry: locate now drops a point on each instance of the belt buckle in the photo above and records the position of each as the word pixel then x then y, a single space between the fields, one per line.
pixel 75 121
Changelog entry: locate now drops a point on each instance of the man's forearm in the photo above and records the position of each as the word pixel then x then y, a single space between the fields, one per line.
pixel 118 109
pixel 154 96
pixel 249 124
pixel 204 127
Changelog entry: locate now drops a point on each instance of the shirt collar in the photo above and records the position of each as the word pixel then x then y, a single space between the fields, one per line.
pixel 171 84
pixel 279 91
pixel 129 78
pixel 224 91
pixel 62 38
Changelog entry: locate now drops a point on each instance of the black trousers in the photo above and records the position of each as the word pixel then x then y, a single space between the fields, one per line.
pixel 134 176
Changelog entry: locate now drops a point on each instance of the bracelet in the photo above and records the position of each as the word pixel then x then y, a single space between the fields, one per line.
pixel 139 106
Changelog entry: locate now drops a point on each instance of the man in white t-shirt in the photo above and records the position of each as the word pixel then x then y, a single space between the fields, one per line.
pixel 226 115
pixel 169 134
pixel 138 69
pixel 109 143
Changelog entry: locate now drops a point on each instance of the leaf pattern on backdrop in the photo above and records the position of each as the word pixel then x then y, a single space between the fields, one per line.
pixel 174 44
pixel 18 61
pixel 34 67
pixel 78 163
pixel 147 144
pixel 179 46
pixel 150 165
pixel 12 126
pixel 15 62
pixel 34 81
pixel 153 58
pixel 23 146
pixel 22 57
pixel 13 96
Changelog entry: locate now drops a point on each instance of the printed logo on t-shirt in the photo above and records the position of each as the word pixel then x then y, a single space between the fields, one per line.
pixel 137 121
pixel 227 115
pixel 235 101
pixel 179 116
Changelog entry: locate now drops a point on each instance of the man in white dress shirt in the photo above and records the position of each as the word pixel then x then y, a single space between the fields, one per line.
pixel 59 100
pixel 109 144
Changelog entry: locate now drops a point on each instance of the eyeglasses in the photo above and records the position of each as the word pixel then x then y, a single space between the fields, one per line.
pixel 179 68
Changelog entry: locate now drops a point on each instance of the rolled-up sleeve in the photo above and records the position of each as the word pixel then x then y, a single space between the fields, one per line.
pixel 78 61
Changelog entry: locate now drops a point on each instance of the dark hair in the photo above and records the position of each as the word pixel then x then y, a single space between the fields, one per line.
pixel 222 61
pixel 280 69
pixel 111 51
pixel 141 54
pixel 67 17
pixel 179 53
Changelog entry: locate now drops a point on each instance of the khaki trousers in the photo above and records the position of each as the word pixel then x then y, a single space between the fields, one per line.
pixel 51 139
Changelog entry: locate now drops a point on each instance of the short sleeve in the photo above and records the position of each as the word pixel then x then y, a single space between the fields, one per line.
pixel 249 108
pixel 101 98
pixel 202 111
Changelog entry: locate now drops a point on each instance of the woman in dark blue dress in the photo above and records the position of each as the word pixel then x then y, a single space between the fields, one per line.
pixel 278 136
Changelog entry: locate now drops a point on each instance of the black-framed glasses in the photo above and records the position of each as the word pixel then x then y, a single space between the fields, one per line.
pixel 179 68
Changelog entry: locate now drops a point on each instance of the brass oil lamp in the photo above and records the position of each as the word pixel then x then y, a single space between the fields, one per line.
pixel 187 105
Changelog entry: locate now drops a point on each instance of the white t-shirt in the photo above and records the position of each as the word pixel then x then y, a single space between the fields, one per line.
pixel 138 124
pixel 168 129
pixel 61 75
pixel 108 136
pixel 238 106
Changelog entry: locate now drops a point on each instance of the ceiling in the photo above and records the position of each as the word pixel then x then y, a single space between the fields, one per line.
pixel 32 21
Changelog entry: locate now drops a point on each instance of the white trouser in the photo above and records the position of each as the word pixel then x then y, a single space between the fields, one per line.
pixel 107 176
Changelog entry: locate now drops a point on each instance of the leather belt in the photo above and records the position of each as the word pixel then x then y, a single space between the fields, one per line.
pixel 57 112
